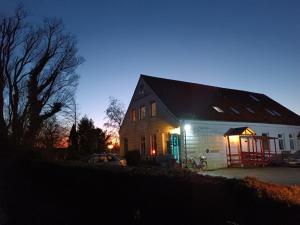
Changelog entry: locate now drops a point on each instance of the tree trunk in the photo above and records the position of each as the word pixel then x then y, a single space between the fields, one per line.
pixel 33 111
pixel 3 128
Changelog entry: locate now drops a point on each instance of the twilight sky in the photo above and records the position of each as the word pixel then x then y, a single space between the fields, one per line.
pixel 251 45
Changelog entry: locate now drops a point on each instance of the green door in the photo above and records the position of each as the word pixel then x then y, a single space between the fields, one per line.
pixel 174 146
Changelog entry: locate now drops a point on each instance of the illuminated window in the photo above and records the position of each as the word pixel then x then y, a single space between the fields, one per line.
pixel 254 98
pixel 153 109
pixel 142 112
pixel 218 109
pixel 153 145
pixel 235 110
pixel 281 141
pixel 292 144
pixel 250 110
pixel 269 111
pixel 133 115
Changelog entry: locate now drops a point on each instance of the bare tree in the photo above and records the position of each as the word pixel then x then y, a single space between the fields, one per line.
pixel 114 115
pixel 51 134
pixel 37 68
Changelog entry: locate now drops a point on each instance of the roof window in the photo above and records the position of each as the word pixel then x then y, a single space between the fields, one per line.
pixel 254 98
pixel 235 110
pixel 269 111
pixel 218 109
pixel 276 113
pixel 250 110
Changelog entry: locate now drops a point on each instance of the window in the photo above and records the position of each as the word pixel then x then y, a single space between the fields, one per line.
pixel 141 89
pixel 254 98
pixel 292 144
pixel 269 111
pixel 143 146
pixel 153 144
pixel 142 112
pixel 250 110
pixel 133 115
pixel 281 141
pixel 276 113
pixel 235 110
pixel 218 109
pixel 125 145
pixel 153 109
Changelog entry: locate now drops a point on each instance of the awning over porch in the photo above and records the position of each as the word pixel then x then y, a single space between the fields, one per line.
pixel 239 131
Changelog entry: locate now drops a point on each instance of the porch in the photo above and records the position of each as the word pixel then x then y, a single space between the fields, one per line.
pixel 246 149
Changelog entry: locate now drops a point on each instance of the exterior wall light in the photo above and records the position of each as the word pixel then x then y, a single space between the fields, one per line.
pixel 187 127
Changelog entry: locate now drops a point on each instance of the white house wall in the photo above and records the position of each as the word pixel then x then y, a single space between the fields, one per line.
pixel 209 135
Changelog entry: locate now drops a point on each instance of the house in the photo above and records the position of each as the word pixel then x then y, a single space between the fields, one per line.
pixel 230 127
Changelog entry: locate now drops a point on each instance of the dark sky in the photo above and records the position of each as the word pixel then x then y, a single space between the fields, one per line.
pixel 251 45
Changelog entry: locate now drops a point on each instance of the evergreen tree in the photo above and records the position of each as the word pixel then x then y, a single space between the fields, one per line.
pixel 73 139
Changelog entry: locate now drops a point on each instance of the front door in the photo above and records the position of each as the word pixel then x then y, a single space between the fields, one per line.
pixel 174 146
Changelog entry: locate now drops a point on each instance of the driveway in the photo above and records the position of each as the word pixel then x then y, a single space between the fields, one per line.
pixel 276 175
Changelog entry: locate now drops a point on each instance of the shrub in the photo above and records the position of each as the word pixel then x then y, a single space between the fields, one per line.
pixel 288 194
pixel 133 157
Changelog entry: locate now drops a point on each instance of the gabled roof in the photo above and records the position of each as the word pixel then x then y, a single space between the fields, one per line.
pixel 239 131
pixel 196 101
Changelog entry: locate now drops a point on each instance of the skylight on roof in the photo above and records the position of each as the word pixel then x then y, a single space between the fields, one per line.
pixel 250 110
pixel 269 111
pixel 276 113
pixel 235 110
pixel 254 98
pixel 218 109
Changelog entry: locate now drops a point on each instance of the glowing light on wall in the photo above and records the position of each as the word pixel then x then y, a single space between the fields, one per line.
pixel 187 127
pixel 234 138
pixel 175 130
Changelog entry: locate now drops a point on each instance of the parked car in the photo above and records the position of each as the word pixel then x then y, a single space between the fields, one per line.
pixel 106 159
pixel 294 159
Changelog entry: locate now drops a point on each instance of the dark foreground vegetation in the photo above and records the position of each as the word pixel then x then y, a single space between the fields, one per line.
pixel 62 194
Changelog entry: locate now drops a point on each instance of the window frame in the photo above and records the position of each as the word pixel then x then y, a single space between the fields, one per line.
pixel 218 109
pixel 153 144
pixel 250 110
pixel 292 141
pixel 237 112
pixel 254 98
pixel 151 109
pixel 133 115
pixel 140 112
pixel 281 141
pixel 270 112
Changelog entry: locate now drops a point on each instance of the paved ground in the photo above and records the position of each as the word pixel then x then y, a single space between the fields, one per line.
pixel 277 175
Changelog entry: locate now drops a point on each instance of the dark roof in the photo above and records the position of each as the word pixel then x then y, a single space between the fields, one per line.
pixel 237 131
pixel 195 101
